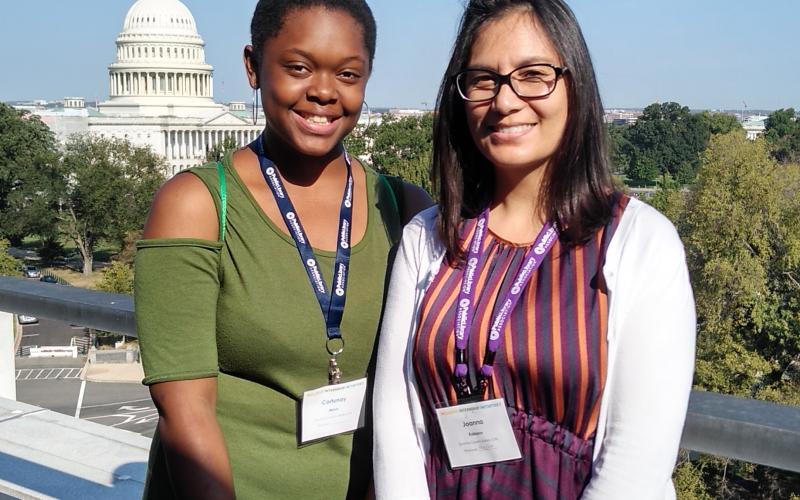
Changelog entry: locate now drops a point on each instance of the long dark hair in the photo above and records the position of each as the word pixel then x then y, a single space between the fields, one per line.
pixel 577 183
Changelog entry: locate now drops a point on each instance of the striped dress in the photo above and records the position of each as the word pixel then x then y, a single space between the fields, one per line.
pixel 550 367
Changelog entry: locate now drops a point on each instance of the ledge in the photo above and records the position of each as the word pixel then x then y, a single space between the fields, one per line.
pixel 44 454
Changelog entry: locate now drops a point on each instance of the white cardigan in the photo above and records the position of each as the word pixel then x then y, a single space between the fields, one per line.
pixel 651 339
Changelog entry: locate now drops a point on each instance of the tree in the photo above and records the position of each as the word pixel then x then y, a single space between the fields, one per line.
pixel 404 147
pixel 221 149
pixel 108 186
pixel 28 175
pixel 117 278
pixel 359 142
pixel 743 243
pixel 666 138
pixel 9 266
pixel 719 123
pixel 620 148
pixel 741 230
pixel 669 199
pixel 782 131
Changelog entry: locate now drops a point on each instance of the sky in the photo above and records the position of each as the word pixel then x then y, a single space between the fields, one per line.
pixel 705 54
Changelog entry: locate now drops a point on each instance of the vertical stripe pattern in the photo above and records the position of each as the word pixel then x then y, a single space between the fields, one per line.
pixel 550 367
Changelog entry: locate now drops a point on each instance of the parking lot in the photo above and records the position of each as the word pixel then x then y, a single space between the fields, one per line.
pixel 55 384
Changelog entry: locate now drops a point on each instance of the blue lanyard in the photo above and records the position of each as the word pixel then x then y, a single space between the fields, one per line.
pixel 331 304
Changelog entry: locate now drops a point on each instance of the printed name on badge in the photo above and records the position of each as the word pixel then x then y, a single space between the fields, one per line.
pixel 477 433
pixel 331 410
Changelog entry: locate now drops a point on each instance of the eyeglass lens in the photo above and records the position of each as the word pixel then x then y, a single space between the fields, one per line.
pixel 528 81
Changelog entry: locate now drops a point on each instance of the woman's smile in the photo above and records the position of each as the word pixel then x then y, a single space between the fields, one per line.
pixel 317 123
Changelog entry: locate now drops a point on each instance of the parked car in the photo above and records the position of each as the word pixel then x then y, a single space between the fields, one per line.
pixel 30 271
pixel 48 279
pixel 27 320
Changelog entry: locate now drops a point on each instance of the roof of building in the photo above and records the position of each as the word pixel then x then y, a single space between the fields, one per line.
pixel 159 17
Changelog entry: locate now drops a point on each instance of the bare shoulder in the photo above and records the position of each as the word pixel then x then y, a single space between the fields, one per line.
pixel 415 200
pixel 183 208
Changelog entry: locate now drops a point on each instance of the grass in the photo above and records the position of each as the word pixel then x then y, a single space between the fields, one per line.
pixel 71 274
pixel 76 278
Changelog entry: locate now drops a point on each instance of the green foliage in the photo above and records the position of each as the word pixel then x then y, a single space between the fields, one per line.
pixel 688 479
pixel 398 146
pixel 111 184
pixel 50 249
pixel 221 149
pixel 29 182
pixel 742 242
pixel 669 199
pixel 117 278
pixel 667 138
pixel 741 229
pixel 9 266
pixel 783 134
pixel 358 143
pixel 719 123
pixel 620 148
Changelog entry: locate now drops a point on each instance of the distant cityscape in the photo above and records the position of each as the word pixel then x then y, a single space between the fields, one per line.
pixel 161 95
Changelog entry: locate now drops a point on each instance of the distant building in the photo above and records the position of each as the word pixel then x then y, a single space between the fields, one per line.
pixel 621 116
pixel 754 126
pixel 161 92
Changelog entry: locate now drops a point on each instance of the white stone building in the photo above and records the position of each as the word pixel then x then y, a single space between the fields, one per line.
pixel 161 91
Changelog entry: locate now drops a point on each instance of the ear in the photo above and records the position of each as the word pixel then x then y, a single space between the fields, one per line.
pixel 251 66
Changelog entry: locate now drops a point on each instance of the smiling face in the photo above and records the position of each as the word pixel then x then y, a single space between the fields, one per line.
pixel 510 131
pixel 312 76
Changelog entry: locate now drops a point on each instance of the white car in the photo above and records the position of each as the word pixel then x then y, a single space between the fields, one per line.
pixel 31 271
pixel 27 320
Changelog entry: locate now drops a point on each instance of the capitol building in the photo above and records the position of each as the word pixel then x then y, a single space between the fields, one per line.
pixel 161 91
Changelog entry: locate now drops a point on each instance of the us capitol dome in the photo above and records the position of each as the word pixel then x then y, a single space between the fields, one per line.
pixel 161 90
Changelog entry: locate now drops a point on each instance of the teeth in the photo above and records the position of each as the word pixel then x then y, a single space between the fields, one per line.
pixel 320 120
pixel 513 130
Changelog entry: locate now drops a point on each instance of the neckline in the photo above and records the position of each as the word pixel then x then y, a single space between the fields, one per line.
pixel 227 162
pixel 506 242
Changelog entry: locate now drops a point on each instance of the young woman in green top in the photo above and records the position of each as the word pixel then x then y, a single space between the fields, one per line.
pixel 230 327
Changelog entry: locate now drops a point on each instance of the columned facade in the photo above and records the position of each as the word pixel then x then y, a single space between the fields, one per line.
pixel 161 90
pixel 187 147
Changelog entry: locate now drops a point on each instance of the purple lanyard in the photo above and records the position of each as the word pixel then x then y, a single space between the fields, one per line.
pixel 465 315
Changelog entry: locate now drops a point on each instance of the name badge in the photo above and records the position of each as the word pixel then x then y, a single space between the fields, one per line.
pixel 477 433
pixel 331 410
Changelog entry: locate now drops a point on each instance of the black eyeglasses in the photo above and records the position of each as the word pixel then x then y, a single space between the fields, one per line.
pixel 531 81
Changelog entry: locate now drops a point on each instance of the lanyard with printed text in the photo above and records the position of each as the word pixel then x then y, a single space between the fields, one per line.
pixel 534 258
pixel 331 303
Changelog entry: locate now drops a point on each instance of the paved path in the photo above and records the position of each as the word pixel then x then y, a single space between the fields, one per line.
pixel 108 394
pixel 48 373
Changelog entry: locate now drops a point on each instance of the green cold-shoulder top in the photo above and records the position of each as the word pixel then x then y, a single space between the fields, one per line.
pixel 243 311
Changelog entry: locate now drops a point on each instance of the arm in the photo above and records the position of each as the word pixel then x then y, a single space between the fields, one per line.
pixel 195 450
pixel 415 200
pixel 652 320
pixel 399 465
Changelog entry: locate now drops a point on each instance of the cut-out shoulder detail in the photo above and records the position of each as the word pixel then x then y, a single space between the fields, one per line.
pixel 183 208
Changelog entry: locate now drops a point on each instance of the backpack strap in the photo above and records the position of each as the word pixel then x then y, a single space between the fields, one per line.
pixel 223 200
pixel 394 186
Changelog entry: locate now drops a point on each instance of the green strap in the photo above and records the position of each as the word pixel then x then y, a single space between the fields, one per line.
pixel 394 186
pixel 223 200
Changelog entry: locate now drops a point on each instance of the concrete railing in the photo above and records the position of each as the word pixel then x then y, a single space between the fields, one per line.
pixel 742 429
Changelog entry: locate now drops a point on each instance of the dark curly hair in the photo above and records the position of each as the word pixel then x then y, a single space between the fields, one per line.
pixel 270 15
pixel 577 183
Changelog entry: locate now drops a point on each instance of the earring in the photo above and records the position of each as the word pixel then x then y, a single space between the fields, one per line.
pixel 255 106
pixel 369 113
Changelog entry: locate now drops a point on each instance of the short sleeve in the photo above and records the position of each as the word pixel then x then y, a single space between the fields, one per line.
pixel 176 287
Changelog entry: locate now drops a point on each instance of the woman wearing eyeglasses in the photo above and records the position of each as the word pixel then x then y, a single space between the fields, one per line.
pixel 538 340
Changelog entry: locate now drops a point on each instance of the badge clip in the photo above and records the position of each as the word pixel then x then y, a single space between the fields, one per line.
pixel 467 392
pixel 334 372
